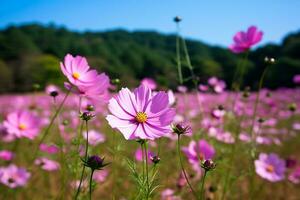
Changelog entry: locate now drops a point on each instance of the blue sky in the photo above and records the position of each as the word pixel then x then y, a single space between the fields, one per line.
pixel 212 21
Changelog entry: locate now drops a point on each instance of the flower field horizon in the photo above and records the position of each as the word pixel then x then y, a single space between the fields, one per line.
pixel 94 138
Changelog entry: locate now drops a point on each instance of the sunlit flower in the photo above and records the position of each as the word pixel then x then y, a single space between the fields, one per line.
pixel 47 164
pixel 140 115
pixel 169 194
pixel 6 155
pixel 150 83
pixel 96 90
pixel 94 137
pixel 51 149
pixel 245 40
pixel 13 177
pixel 100 175
pixel 296 79
pixel 77 70
pixel 22 124
pixel 270 167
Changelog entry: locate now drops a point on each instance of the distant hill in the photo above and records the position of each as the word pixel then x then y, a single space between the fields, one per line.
pixel 31 54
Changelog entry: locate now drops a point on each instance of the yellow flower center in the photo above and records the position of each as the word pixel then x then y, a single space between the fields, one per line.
pixel 270 168
pixel 22 126
pixel 141 117
pixel 76 75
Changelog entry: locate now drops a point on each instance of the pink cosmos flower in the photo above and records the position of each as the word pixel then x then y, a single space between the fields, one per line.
pixel 100 175
pixel 203 88
pixel 150 83
pixel 245 40
pixel 22 124
pixel 13 177
pixel 51 88
pixel 6 155
pixel 138 114
pixel 77 70
pixel 5 136
pixel 172 98
pixel 169 194
pixel 197 152
pixel 182 89
pixel 96 90
pixel 47 164
pixel 270 167
pixel 94 137
pixel 296 79
pixel 51 149
pixel 294 176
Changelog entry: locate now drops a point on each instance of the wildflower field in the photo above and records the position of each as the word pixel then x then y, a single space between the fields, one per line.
pixel 94 138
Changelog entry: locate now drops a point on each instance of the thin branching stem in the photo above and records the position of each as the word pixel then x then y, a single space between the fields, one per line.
pixel 85 159
pixel 178 55
pixel 51 123
pixel 202 193
pixel 147 170
pixel 91 181
pixel 182 168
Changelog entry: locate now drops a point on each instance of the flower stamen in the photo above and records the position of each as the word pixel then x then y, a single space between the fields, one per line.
pixel 76 75
pixel 141 117
pixel 270 168
pixel 22 126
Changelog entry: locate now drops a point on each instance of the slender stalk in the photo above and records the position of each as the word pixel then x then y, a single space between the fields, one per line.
pixel 85 159
pixel 231 158
pixel 147 170
pixel 51 123
pixel 178 55
pixel 202 193
pixel 253 146
pixel 257 101
pixel 189 64
pixel 182 168
pixel 143 158
pixel 240 74
pixel 91 179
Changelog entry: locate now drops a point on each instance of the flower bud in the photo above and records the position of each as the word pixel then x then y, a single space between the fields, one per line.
pixel 54 94
pixel 208 165
pixel 181 129
pixel 90 108
pixel 261 120
pixel 177 19
pixel 95 162
pixel 269 60
pixel 155 159
pixel 65 122
pixel 86 116
pixel 115 81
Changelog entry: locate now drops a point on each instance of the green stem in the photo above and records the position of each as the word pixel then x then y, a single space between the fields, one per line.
pixel 202 193
pixel 51 123
pixel 240 74
pixel 178 55
pixel 182 168
pixel 188 60
pixel 257 101
pixel 143 158
pixel 253 146
pixel 91 179
pixel 85 159
pixel 147 170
